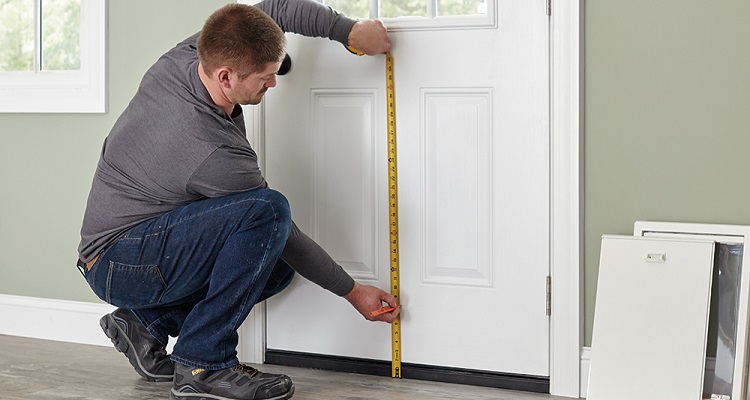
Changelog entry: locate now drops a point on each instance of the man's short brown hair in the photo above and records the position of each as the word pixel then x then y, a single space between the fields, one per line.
pixel 241 37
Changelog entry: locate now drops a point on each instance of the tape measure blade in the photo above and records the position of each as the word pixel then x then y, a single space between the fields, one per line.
pixel 393 213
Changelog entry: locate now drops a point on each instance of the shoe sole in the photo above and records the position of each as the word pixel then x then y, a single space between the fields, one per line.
pixel 118 337
pixel 174 395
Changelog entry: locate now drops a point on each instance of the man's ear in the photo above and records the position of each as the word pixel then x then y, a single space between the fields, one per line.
pixel 223 76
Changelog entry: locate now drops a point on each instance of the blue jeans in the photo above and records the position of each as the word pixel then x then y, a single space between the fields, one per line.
pixel 198 270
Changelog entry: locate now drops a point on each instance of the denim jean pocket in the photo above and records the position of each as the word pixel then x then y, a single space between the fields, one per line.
pixel 134 286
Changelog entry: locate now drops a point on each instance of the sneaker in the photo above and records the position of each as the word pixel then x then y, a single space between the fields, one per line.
pixel 145 353
pixel 240 382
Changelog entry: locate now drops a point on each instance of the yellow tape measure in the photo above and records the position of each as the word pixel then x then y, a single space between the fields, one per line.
pixel 392 208
pixel 393 213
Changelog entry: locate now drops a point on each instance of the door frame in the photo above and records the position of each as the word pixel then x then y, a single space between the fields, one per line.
pixel 566 192
pixel 566 205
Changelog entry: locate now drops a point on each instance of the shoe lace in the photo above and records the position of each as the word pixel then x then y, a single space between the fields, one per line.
pixel 161 352
pixel 245 369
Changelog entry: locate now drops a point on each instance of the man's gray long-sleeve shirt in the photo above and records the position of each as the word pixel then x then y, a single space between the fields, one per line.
pixel 173 146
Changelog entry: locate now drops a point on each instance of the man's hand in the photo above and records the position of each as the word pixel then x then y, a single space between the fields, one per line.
pixel 367 299
pixel 370 37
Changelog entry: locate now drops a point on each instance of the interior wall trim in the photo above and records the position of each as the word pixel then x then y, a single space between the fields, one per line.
pixel 53 319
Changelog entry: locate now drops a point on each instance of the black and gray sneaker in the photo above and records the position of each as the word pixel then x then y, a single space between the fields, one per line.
pixel 145 353
pixel 240 382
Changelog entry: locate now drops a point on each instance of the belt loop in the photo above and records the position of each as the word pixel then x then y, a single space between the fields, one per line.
pixel 82 268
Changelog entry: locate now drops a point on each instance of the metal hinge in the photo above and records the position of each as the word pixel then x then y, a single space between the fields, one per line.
pixel 549 296
pixel 549 7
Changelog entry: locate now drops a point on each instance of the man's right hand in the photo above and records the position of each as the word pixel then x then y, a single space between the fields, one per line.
pixel 370 36
pixel 366 299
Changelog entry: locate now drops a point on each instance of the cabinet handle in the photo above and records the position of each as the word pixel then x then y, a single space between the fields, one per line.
pixel 656 257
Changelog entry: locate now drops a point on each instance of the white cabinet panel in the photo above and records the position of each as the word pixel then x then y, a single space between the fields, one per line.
pixel 651 319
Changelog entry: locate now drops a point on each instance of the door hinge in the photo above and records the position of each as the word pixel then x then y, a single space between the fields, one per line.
pixel 549 296
pixel 549 7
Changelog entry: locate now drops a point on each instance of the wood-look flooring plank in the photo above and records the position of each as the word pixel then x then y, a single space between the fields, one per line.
pixel 32 369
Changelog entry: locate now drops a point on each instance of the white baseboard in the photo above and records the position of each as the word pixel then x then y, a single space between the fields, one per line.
pixel 78 322
pixel 52 319
pixel 585 362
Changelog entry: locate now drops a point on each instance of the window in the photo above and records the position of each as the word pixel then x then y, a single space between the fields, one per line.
pixel 52 56
pixel 421 14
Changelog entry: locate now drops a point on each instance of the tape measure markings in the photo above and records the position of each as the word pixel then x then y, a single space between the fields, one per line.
pixel 393 213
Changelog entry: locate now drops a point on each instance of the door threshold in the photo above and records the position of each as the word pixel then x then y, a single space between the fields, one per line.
pixel 526 383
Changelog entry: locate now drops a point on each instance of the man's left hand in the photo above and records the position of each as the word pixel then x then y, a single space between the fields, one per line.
pixel 370 36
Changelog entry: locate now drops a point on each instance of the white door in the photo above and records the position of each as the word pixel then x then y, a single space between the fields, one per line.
pixel 472 123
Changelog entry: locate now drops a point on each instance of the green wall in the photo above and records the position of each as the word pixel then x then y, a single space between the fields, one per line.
pixel 667 131
pixel 667 125
pixel 47 161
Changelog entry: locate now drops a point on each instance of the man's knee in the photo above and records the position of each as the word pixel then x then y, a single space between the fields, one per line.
pixel 277 200
pixel 277 205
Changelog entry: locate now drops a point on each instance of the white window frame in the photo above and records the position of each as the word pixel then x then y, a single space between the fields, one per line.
pixel 434 22
pixel 81 91
pixel 431 22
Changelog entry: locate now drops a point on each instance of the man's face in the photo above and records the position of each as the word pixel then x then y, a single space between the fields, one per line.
pixel 251 89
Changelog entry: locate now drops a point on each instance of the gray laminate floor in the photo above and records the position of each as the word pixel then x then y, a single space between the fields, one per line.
pixel 40 369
